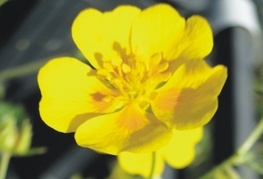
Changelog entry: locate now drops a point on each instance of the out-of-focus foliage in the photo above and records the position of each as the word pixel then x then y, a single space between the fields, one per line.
pixel 15 131
pixel 2 2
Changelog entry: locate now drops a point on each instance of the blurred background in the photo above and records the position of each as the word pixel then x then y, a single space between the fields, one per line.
pixel 33 31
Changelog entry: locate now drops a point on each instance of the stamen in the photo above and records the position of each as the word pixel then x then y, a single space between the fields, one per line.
pixel 125 68
pixel 108 66
pixel 108 98
pixel 163 66
pixel 103 73
pixel 134 79
pixel 156 59
pixel 116 61
pixel 144 104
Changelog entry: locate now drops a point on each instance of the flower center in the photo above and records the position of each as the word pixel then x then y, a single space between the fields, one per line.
pixel 133 78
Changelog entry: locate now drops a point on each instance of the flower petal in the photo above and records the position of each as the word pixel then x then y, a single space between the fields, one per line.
pixel 197 41
pixel 104 36
pixel 130 129
pixel 140 164
pixel 70 95
pixel 160 29
pixel 180 151
pixel 156 30
pixel 189 99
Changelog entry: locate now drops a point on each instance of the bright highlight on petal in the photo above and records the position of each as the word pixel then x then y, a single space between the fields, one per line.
pixel 148 78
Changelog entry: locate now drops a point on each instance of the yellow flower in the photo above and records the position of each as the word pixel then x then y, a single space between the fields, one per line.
pixel 147 77
pixel 178 153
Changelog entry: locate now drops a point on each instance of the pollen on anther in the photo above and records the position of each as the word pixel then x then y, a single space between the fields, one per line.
pixel 125 68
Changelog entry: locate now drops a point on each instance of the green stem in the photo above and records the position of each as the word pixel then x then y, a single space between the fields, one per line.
pixel 5 158
pixel 153 165
pixel 238 156
pixel 30 68
pixel 229 162
pixel 21 70
pixel 251 140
